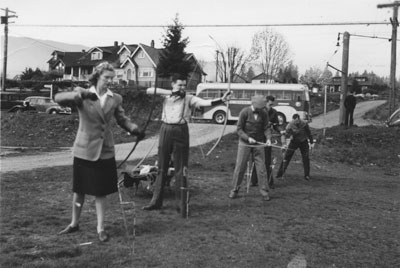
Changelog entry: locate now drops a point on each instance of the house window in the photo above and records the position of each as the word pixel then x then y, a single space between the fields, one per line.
pixel 141 54
pixel 147 72
pixel 97 55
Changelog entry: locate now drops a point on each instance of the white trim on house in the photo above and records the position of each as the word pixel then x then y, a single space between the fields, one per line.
pixel 140 47
pixel 122 48
pixel 123 63
pixel 93 48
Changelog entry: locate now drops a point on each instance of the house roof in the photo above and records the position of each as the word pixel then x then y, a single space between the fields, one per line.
pixel 239 79
pixel 130 48
pixel 262 76
pixel 153 53
pixel 109 54
pixel 67 58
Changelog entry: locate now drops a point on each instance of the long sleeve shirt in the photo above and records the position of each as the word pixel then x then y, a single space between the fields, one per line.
pixel 256 127
pixel 177 110
pixel 299 130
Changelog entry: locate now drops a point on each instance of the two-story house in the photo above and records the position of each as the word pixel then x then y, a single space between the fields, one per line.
pixel 134 64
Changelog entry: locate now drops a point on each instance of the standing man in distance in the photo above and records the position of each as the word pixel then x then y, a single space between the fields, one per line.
pixel 301 135
pixel 350 103
pixel 174 135
pixel 252 128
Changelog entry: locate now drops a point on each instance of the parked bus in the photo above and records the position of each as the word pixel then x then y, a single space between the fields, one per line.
pixel 289 99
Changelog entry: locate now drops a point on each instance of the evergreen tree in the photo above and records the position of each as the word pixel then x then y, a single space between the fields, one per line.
pixel 172 57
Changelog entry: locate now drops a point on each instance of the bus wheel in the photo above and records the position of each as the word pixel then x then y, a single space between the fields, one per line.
pixel 281 118
pixel 219 117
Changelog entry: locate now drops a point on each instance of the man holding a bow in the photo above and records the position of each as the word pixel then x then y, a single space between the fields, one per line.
pixel 253 128
pixel 174 135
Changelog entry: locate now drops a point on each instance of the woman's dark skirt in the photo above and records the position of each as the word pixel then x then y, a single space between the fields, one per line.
pixel 98 178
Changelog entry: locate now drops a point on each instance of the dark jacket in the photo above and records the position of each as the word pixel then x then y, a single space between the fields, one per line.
pixel 94 138
pixel 299 130
pixel 273 118
pixel 248 126
pixel 350 102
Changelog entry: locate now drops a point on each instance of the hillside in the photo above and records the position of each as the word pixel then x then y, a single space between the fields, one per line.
pixel 28 52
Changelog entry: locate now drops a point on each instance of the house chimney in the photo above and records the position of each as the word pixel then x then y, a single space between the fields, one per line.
pixel 152 43
pixel 115 43
pixel 122 44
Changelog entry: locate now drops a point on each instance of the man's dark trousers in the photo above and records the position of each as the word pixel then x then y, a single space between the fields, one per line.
pixel 174 139
pixel 268 156
pixel 304 149
pixel 348 121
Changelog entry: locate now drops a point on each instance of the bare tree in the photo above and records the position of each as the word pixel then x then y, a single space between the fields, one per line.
pixel 315 77
pixel 271 50
pixel 231 62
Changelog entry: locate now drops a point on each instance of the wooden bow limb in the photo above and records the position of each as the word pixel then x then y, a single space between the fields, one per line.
pixel 227 107
pixel 153 105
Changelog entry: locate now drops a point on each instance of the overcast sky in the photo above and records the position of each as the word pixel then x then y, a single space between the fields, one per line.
pixel 310 46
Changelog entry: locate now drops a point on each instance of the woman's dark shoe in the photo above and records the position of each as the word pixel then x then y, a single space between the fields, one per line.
pixel 103 236
pixel 69 229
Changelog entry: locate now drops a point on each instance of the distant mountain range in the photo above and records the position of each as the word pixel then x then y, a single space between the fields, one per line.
pixel 24 52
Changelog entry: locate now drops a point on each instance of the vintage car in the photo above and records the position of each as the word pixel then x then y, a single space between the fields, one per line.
pixel 47 105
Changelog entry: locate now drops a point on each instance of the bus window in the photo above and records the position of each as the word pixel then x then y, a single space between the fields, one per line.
pixel 279 95
pixel 238 94
pixel 203 94
pixel 287 95
pixel 261 92
pixel 249 93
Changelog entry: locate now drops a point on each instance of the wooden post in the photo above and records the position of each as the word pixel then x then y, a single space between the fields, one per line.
pixel 395 24
pixel 3 85
pixel 345 69
pixel 4 20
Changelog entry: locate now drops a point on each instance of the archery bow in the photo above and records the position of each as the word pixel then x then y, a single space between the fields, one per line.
pixel 146 124
pixel 227 107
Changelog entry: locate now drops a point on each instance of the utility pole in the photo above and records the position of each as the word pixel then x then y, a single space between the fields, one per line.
pixel 395 24
pixel 345 70
pixel 4 20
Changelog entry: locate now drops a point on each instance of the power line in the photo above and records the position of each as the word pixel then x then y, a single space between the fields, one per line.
pixel 200 25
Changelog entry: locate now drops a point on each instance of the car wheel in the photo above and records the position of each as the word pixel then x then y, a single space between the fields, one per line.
pixel 52 112
pixel 219 117
pixel 281 118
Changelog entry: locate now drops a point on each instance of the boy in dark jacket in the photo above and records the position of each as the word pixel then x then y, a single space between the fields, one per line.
pixel 301 134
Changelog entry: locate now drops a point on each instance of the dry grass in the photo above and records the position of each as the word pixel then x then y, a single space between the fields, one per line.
pixel 347 216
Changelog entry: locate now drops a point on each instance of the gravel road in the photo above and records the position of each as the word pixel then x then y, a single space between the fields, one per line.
pixel 199 134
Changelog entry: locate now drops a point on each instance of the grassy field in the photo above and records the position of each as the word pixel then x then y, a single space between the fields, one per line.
pixel 347 216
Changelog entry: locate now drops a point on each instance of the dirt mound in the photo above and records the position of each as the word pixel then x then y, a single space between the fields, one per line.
pixel 361 146
pixel 44 130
